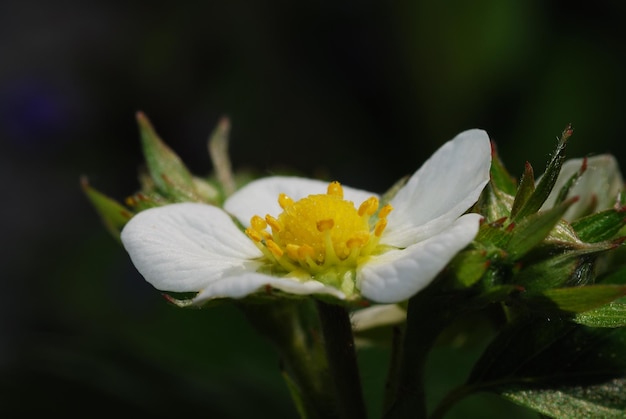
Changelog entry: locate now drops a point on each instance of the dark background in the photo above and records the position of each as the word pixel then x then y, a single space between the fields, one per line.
pixel 361 91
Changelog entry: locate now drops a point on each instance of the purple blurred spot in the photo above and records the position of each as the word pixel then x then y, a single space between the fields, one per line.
pixel 35 114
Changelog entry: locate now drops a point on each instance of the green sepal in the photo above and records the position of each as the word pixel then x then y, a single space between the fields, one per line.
pixel 218 150
pixel 113 214
pixel 525 190
pixel 392 191
pixel 515 240
pixel 618 276
pixel 494 204
pixel 495 294
pixel 533 229
pixel 492 235
pixel 499 176
pixel 574 299
pixel 570 182
pixel 563 234
pixel 545 185
pixel 170 175
pixel 206 190
pixel 600 226
pixel 141 201
pixel 565 269
pixel 295 393
pixel 469 266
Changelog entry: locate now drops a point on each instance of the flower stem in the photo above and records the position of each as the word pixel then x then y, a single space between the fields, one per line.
pixel 391 384
pixel 342 361
pixel 291 326
pixel 427 315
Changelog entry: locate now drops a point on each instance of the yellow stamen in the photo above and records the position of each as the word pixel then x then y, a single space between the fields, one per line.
pixel 273 223
pixel 254 235
pixel 324 225
pixel 384 211
pixel 335 189
pixel 380 227
pixel 305 251
pixel 258 223
pixel 292 251
pixel 369 206
pixel 354 243
pixel 284 201
pixel 274 248
pixel 323 234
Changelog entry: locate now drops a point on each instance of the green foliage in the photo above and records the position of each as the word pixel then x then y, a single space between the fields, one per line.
pixel 559 286
pixel 556 367
pixel 553 291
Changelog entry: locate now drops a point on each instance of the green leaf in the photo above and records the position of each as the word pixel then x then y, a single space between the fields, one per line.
pixel 113 214
pixel 547 181
pixel 169 174
pixel 605 400
pixel 600 226
pixel 535 358
pixel 576 299
pixel 610 315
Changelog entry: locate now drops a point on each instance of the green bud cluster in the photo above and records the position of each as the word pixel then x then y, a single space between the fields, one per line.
pixel 529 257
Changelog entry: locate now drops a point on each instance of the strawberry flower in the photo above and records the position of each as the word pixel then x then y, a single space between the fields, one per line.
pixel 304 236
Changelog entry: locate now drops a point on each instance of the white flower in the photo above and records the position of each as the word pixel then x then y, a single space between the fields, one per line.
pixel 598 188
pixel 303 236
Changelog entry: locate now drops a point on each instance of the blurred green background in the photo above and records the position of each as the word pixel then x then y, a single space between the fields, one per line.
pixel 360 91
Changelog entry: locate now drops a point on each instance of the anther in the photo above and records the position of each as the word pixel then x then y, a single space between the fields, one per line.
pixel 354 243
pixel 380 227
pixel 384 211
pixel 274 248
pixel 369 206
pixel 273 222
pixel 292 251
pixel 335 189
pixel 254 235
pixel 284 201
pixel 325 225
pixel 258 223
pixel 305 251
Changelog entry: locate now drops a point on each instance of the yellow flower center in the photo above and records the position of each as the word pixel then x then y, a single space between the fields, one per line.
pixel 322 235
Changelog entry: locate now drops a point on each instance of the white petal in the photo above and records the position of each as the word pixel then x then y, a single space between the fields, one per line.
pixel 441 190
pixel 185 247
pixel 601 182
pixel 260 197
pixel 397 275
pixel 377 316
pixel 239 286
